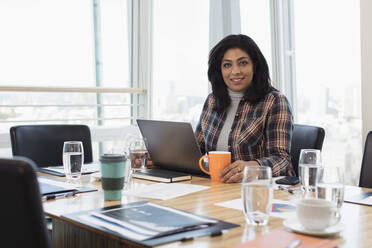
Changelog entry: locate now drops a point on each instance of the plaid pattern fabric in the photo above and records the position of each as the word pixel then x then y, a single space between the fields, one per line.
pixel 260 132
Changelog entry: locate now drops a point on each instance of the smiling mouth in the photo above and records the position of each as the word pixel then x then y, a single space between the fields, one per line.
pixel 236 80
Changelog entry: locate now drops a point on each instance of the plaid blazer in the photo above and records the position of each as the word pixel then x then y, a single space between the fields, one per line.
pixel 260 132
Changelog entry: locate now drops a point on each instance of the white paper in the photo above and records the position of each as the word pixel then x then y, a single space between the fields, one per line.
pixel 356 195
pixel 288 211
pixel 164 191
pixel 62 184
pixel 367 200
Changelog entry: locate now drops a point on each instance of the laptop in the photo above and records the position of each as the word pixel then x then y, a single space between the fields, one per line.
pixel 172 145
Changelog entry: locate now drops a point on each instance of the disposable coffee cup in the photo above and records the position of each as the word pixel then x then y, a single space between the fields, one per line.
pixel 112 171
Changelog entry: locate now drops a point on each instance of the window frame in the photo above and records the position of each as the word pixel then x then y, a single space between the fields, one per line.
pixel 139 16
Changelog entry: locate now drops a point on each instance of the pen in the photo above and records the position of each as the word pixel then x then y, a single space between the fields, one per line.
pixel 57 196
pixel 211 234
pixel 286 189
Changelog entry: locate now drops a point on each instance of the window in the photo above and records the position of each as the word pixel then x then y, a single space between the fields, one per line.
pixel 328 77
pixel 52 44
pixel 255 22
pixel 112 51
pixel 115 45
pixel 180 59
pixel 46 42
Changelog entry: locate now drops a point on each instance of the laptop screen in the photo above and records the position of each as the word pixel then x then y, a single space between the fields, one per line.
pixel 171 145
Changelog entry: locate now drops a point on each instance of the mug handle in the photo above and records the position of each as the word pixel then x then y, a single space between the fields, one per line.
pixel 201 164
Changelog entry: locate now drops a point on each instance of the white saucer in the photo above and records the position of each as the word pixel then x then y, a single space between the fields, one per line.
pixel 294 225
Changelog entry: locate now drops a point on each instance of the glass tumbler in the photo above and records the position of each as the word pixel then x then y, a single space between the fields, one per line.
pixel 309 162
pixel 138 153
pixel 257 194
pixel 73 159
pixel 330 184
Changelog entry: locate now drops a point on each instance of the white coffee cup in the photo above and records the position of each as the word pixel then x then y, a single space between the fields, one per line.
pixel 317 214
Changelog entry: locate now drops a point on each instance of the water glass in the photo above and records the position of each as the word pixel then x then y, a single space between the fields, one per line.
pixel 309 162
pixel 138 153
pixel 257 194
pixel 330 184
pixel 73 159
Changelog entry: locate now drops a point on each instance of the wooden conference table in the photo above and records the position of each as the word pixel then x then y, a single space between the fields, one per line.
pixel 357 219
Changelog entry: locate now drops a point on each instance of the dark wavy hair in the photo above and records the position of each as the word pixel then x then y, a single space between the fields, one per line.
pixel 261 83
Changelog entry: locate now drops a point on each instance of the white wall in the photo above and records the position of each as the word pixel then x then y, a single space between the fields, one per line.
pixel 366 64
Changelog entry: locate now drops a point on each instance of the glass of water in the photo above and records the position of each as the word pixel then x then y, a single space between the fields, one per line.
pixel 138 153
pixel 330 184
pixel 257 194
pixel 73 159
pixel 309 162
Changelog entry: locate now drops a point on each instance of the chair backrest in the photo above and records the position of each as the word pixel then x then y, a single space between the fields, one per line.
pixel 365 179
pixel 305 137
pixel 21 211
pixel 44 143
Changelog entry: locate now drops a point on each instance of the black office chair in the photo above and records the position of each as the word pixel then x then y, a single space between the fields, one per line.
pixel 365 179
pixel 21 211
pixel 305 137
pixel 44 143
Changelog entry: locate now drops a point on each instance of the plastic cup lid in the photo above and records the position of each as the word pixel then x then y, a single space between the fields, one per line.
pixel 112 158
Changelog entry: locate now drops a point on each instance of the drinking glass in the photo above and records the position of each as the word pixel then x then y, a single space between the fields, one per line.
pixel 257 194
pixel 138 153
pixel 128 168
pixel 330 184
pixel 309 162
pixel 73 159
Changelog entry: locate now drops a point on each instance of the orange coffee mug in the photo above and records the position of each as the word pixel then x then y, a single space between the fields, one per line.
pixel 217 161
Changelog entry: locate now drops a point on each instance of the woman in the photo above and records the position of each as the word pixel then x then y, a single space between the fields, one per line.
pixel 244 114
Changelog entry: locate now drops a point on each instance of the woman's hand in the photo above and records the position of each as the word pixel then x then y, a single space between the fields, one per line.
pixel 233 173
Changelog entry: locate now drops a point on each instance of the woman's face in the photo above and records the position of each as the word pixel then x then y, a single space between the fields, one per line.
pixel 237 69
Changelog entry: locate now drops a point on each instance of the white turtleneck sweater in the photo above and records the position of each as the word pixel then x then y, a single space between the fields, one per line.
pixel 223 139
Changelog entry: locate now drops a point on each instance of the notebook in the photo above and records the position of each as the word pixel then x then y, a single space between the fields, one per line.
pixel 159 175
pixel 172 145
pixel 50 186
